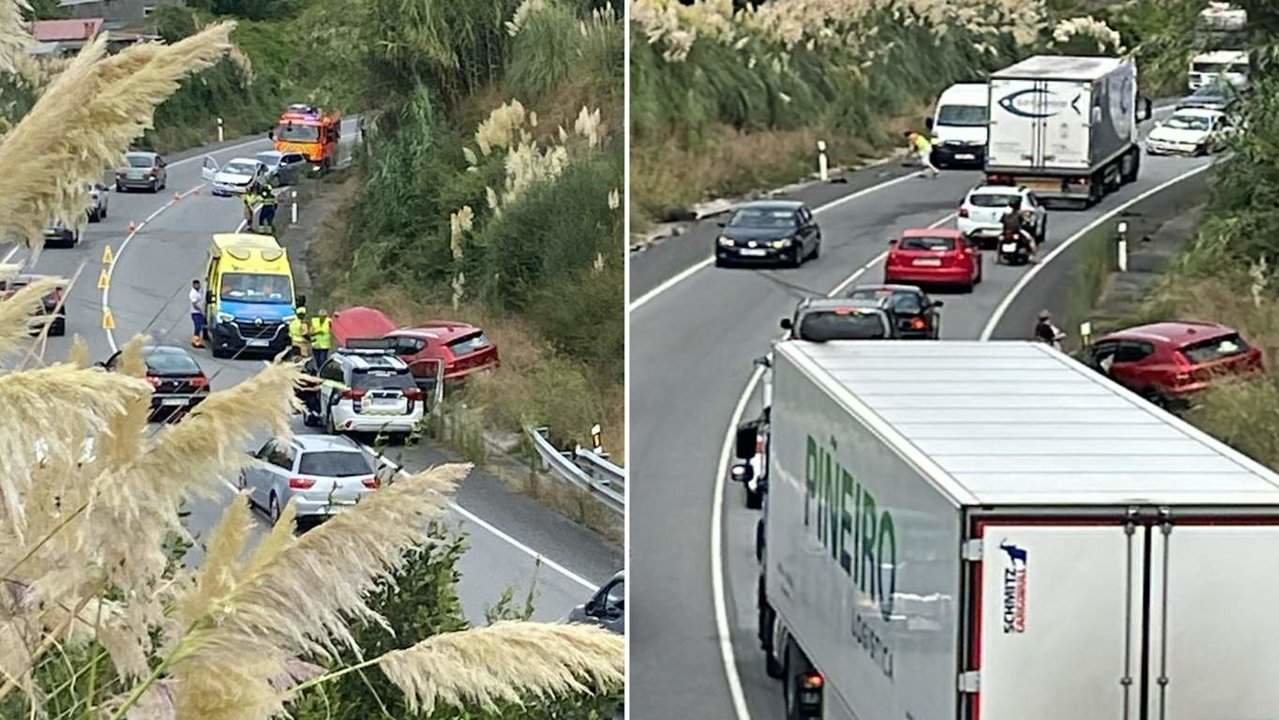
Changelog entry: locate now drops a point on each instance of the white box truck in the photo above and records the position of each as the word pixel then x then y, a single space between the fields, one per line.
pixel 994 531
pixel 958 125
pixel 1065 126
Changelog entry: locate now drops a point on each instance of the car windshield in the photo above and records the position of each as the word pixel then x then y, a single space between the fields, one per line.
pixel 962 115
pixel 172 363
pixel 335 463
pixel 269 159
pixel 240 168
pixel 139 161
pixel 990 200
pixel 928 244
pixel 1189 122
pixel 261 288
pixel 1206 67
pixel 468 344
pixel 761 218
pixel 841 324
pixel 383 380
pixel 1218 348
pixel 297 133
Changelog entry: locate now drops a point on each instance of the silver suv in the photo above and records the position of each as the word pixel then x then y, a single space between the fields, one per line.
pixel 323 474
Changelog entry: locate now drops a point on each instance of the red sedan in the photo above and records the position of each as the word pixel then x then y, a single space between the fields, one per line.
pixel 939 256
pixel 461 347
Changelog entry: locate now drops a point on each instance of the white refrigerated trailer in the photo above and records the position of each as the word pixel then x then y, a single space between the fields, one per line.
pixel 993 531
pixel 1065 126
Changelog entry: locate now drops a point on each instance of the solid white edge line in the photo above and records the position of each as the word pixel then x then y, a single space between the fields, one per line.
pixel 722 629
pixel 705 262
pixel 1000 310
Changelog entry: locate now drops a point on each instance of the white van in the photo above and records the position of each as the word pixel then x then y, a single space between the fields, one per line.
pixel 959 125
pixel 1233 66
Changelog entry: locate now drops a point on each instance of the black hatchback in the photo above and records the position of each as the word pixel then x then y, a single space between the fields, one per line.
pixel 769 231
pixel 915 315
pixel 179 383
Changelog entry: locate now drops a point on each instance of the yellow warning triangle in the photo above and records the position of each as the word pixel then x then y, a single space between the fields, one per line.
pixel 107 256
pixel 108 320
pixel 104 280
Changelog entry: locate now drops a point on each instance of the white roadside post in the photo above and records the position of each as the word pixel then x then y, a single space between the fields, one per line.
pixel 596 442
pixel 823 168
pixel 1123 247
pixel 220 131
pixel 1085 333
pixel 293 211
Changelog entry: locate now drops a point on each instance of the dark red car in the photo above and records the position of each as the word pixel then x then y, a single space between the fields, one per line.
pixel 461 347
pixel 938 256
pixel 1167 362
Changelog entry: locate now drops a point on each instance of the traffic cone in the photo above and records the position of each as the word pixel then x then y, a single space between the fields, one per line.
pixel 132 227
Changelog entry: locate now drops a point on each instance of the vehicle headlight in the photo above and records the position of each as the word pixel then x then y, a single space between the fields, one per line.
pixel 725 242
pixel 225 317
pixel 784 242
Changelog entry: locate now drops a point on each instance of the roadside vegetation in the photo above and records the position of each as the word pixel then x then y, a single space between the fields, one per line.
pixel 98 619
pixel 489 191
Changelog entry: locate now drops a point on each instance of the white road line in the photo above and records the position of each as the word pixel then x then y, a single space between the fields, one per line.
pixel 717 510
pixel 1026 277
pixel 706 262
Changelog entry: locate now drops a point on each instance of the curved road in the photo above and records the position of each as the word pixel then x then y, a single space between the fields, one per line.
pixel 694 332
pixel 154 266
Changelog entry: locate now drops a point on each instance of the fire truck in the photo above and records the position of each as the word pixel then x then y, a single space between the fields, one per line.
pixel 312 131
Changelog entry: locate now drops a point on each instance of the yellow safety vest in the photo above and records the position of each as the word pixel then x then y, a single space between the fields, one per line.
pixel 920 142
pixel 322 333
pixel 298 330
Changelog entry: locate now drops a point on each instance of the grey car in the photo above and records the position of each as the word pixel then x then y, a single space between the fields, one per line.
pixel 58 234
pixel 283 168
pixel 98 197
pixel 606 608
pixel 142 170
pixel 769 231
pixel 322 474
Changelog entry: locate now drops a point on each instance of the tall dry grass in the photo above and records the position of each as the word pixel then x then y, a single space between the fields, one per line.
pixel 95 617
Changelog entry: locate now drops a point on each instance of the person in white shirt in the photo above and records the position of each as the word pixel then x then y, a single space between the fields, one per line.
pixel 197 314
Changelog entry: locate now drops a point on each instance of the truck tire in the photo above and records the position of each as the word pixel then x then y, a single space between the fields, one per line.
pixel 1134 167
pixel 772 666
pixel 796 663
pixel 754 499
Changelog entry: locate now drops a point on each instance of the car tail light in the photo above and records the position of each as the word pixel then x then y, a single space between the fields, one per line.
pixel 918 324
pixel 1182 378
pixel 963 212
pixel 199 381
pixel 353 394
pixel 372 482
pixel 301 483
pixel 413 393
pixel 155 381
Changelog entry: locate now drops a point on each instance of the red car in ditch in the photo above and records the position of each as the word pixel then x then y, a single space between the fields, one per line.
pixel 462 348
pixel 1167 362
pixel 936 256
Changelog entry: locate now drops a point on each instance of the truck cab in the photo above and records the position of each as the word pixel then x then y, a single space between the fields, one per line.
pixel 249 299
pixel 959 125
pixel 311 131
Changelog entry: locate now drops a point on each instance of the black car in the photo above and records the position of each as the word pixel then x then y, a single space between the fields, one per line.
pixel 769 231
pixel 1219 95
pixel 52 304
pixel 179 383
pixel 915 314
pixel 823 319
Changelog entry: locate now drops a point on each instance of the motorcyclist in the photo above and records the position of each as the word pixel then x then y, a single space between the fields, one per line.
pixel 1015 228
pixel 1046 332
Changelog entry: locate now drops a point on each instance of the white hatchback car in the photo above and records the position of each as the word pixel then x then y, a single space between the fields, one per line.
pixel 982 212
pixel 1191 131
pixel 369 390
pixel 233 178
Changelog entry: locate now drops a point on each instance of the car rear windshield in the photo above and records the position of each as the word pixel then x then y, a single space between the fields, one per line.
pixel 297 133
pixel 962 115
pixel 335 463
pixel 990 200
pixel 383 380
pixel 823 325
pixel 1218 348
pixel 268 159
pixel 172 364
pixel 260 288
pixel 758 218
pixel 140 161
pixel 468 344
pixel 930 244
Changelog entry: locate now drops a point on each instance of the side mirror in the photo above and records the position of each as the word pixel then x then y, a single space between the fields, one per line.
pixel 721 223
pixel 786 324
pixel 742 473
pixel 928 123
pixel 100 187
pixel 938 303
pixel 892 241
pixel 270 134
pixel 1147 110
pixel 747 440
pixel 208 296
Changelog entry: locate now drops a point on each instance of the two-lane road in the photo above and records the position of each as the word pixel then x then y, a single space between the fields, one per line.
pixel 694 332
pixel 513 540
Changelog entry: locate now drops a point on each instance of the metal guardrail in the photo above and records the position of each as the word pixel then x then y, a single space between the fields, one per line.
pixel 599 467
pixel 601 483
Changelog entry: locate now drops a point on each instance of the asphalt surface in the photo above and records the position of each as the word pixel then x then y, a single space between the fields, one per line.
pixel 514 542
pixel 693 336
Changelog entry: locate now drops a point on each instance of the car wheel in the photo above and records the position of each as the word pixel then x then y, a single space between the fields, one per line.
pixel 817 250
pixel 1154 397
pixel 1043 231
pixel 329 427
pixel 754 499
pixel 119 187
pixel 273 509
pixel 58 327
pixel 720 262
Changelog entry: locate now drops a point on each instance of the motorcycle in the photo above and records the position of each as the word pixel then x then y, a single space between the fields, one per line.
pixel 1012 250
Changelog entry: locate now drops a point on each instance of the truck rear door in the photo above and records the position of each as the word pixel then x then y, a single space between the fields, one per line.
pixel 1153 620
pixel 1037 124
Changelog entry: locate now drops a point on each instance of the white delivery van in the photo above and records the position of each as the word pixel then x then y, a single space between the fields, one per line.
pixel 958 125
pixel 1065 126
pixel 1232 66
pixel 964 530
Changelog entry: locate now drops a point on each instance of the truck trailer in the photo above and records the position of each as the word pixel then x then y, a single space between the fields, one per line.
pixel 993 531
pixel 1065 126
